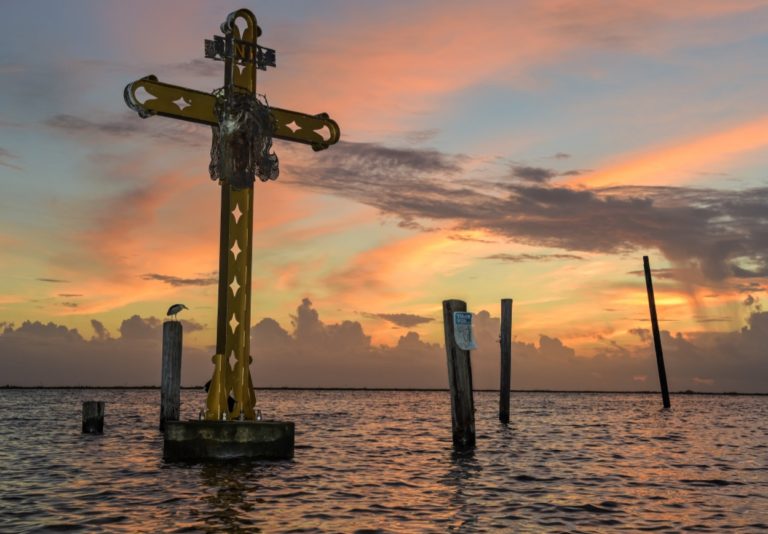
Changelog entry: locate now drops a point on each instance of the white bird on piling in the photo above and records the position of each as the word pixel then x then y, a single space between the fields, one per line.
pixel 176 308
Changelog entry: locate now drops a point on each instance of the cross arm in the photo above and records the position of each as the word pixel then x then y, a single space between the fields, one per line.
pixel 148 96
pixel 319 130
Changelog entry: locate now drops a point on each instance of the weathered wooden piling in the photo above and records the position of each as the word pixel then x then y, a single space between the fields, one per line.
pixel 459 379
pixel 93 417
pixel 505 343
pixel 656 334
pixel 170 380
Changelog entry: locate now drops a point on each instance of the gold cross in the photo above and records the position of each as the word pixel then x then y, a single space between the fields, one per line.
pixel 148 97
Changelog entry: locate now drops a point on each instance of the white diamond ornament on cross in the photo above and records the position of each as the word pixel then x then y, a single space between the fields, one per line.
pixel 236 213
pixel 181 103
pixel 234 286
pixel 233 323
pixel 236 250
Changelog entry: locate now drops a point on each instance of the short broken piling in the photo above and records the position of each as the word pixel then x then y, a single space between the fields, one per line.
pixel 656 334
pixel 505 343
pixel 459 379
pixel 170 394
pixel 93 417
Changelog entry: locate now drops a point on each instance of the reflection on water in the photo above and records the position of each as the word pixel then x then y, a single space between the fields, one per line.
pixel 226 499
pixel 460 477
pixel 384 461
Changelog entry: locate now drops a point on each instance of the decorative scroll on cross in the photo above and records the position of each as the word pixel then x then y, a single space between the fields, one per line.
pixel 243 128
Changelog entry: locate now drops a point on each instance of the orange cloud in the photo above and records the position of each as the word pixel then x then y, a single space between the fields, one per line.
pixel 10 299
pixel 411 275
pixel 679 162
pixel 169 227
pixel 304 217
pixel 391 271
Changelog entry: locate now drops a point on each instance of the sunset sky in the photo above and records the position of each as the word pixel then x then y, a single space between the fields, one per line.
pixel 533 150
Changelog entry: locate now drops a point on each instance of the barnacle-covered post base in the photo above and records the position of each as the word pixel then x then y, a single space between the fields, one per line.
pixel 197 441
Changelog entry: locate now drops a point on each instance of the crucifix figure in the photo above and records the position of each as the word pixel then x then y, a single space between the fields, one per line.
pixel 243 128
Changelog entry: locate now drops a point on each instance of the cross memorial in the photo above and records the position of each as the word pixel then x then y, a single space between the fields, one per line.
pixel 243 128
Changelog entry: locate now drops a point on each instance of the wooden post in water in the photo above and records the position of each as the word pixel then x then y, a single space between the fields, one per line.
pixel 93 417
pixel 459 380
pixel 656 334
pixel 505 342
pixel 170 399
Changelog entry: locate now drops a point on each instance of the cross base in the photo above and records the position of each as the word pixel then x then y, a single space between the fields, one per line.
pixel 200 441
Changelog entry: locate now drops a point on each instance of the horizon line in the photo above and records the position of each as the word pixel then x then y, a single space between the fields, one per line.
pixel 320 388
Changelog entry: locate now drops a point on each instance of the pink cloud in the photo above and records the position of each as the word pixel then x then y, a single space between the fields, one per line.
pixel 376 66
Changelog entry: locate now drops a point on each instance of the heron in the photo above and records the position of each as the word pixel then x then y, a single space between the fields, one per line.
pixel 176 308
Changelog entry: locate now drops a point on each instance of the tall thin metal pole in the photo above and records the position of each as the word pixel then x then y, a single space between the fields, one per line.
pixel 656 334
pixel 505 342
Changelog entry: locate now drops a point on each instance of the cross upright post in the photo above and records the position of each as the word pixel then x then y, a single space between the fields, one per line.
pixel 236 237
pixel 243 128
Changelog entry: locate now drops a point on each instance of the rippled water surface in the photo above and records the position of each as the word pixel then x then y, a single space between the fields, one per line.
pixel 384 461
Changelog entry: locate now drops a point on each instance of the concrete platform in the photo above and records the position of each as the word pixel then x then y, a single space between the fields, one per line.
pixel 223 440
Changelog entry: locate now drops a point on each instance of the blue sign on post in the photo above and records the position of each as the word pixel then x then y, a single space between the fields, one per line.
pixel 462 330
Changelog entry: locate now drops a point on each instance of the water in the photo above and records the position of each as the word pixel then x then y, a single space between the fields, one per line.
pixel 384 461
